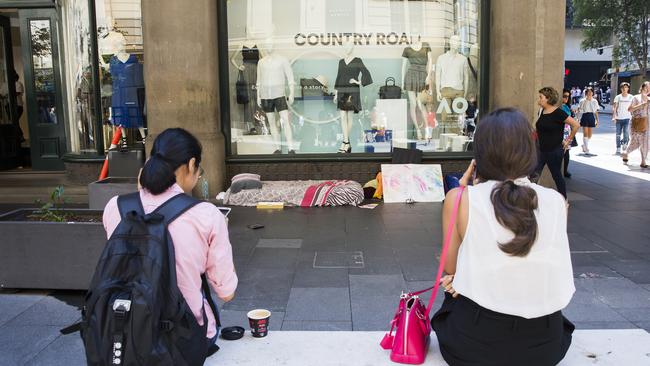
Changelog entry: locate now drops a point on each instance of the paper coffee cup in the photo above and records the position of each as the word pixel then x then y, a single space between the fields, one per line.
pixel 258 320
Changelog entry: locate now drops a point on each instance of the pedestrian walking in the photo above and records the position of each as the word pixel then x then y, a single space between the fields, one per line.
pixel 588 111
pixel 566 107
pixel 550 134
pixel 506 287
pixel 622 116
pixel 639 128
pixel 578 95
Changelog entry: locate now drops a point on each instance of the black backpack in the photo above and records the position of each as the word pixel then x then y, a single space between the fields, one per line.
pixel 134 313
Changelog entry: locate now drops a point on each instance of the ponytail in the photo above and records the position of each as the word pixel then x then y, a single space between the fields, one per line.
pixel 173 148
pixel 514 207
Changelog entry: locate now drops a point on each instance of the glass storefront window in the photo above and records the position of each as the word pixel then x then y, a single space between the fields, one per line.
pixel 121 58
pixel 352 76
pixel 80 111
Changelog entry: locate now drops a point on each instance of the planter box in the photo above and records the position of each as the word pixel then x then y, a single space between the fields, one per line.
pixel 49 255
pixel 101 191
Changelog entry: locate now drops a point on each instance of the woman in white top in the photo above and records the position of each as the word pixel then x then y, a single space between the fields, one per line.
pixel 509 264
pixel 588 108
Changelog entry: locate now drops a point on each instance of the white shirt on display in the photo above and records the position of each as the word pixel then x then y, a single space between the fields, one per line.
pixel 450 70
pixel 622 104
pixel 538 284
pixel 273 75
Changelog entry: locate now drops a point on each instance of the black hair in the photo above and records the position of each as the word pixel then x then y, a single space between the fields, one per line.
pixel 505 160
pixel 173 148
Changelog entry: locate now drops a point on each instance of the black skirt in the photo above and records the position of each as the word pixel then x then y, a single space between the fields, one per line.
pixel 469 334
pixel 588 120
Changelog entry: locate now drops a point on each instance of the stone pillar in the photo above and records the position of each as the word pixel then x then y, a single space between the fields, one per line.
pixel 182 76
pixel 526 53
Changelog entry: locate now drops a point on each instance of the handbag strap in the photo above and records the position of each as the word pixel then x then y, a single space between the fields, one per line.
pixel 390 79
pixel 445 249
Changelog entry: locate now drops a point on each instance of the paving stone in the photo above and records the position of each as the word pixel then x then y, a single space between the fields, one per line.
pixel 20 343
pixel 316 325
pixel 643 325
pixel 335 259
pixel 600 271
pixel 378 265
pixel 635 314
pixel 638 271
pixel 280 243
pixel 13 304
pixel 65 350
pixel 262 287
pixel 48 311
pixel 605 325
pixel 273 258
pixel 308 276
pixel 373 313
pixel 376 285
pixel 616 292
pixel 320 304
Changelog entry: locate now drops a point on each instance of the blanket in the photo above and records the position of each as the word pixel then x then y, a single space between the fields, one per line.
pixel 300 193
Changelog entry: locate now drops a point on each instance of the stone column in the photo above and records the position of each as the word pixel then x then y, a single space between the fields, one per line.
pixel 526 53
pixel 182 76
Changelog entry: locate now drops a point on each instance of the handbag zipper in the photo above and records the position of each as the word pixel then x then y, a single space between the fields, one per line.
pixel 406 329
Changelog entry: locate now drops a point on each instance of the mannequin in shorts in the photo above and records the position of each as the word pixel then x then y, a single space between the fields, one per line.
pixel 274 74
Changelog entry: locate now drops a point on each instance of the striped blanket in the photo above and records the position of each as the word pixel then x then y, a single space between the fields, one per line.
pixel 300 193
pixel 333 193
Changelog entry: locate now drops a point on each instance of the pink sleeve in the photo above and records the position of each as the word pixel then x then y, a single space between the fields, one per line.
pixel 111 216
pixel 220 268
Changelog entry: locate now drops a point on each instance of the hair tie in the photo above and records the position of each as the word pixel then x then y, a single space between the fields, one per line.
pixel 522 181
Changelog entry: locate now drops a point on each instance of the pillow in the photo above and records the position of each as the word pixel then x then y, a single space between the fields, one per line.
pixel 245 181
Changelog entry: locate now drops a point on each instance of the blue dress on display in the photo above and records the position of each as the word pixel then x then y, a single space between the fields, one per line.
pixel 127 101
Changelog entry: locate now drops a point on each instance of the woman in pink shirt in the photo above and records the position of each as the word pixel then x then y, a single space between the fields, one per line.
pixel 200 235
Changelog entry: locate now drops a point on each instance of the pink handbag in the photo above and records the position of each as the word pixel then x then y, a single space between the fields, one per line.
pixel 411 323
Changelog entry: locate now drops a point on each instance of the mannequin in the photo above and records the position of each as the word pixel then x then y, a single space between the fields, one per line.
pixel 452 74
pixel 127 75
pixel 274 74
pixel 250 56
pixel 352 74
pixel 416 73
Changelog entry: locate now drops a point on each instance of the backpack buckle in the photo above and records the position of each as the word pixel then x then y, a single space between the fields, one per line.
pixel 166 325
pixel 121 305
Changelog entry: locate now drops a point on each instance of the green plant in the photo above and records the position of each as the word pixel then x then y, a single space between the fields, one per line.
pixel 52 210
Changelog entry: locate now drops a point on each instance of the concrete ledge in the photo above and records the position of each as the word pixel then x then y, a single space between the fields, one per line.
pixel 589 347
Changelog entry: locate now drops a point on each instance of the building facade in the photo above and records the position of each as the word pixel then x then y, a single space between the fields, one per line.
pixel 291 89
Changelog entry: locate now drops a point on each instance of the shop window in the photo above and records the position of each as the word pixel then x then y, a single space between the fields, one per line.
pixel 352 76
pixel 77 66
pixel 121 71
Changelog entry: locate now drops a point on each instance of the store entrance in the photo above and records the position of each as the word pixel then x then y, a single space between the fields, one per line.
pixel 43 97
pixel 31 121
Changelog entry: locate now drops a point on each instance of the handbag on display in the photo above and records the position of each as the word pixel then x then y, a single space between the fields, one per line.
pixel 389 90
pixel 640 124
pixel 424 96
pixel 241 89
pixel 411 323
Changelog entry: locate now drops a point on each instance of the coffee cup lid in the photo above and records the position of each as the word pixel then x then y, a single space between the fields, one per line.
pixel 232 333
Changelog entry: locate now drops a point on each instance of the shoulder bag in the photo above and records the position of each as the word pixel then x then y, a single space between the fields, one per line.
pixel 389 90
pixel 411 324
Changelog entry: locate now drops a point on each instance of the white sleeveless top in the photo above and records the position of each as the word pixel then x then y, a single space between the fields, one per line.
pixel 538 284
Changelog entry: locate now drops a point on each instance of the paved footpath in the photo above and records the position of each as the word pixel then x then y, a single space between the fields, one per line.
pixel 342 269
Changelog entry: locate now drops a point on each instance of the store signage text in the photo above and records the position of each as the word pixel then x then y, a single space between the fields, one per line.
pixel 359 39
pixel 459 105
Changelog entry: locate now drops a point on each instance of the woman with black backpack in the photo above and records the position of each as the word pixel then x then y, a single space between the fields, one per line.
pixel 199 234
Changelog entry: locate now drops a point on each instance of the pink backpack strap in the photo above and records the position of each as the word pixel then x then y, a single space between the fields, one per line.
pixel 445 249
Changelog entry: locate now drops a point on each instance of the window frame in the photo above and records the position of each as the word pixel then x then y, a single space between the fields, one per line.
pixel 225 95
